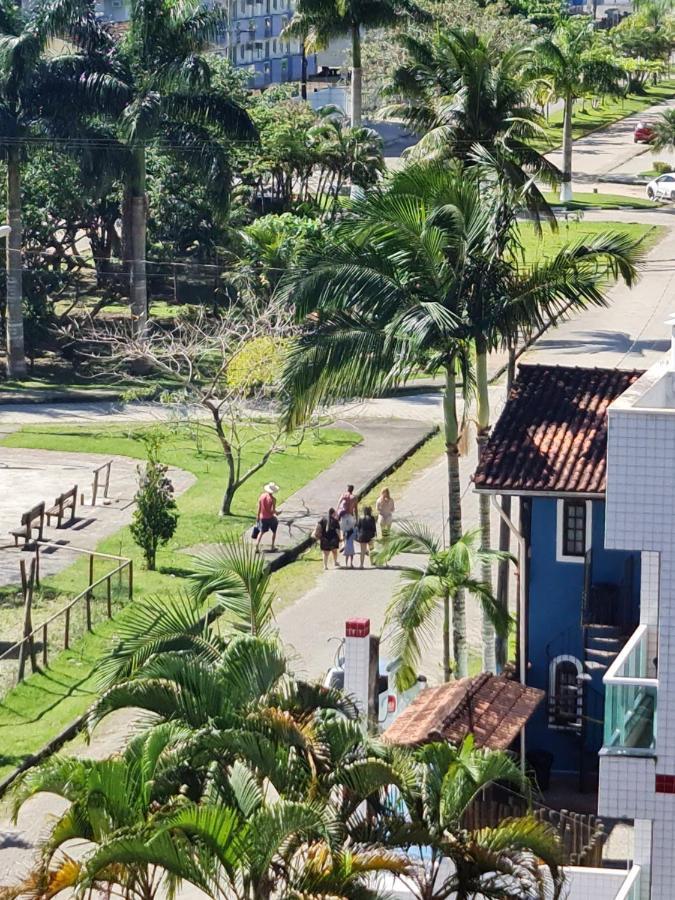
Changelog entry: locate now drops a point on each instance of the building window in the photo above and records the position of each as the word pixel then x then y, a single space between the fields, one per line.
pixel 573 532
pixel 241 51
pixel 274 45
pixel 258 51
pixel 565 693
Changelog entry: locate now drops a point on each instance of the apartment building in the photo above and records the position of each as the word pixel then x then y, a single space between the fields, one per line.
pixel 637 761
pixel 249 37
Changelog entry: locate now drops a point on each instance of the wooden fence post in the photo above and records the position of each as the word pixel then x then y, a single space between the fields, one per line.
pixel 88 595
pixel 27 644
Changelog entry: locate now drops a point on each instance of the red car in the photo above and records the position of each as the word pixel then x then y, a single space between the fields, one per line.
pixel 643 133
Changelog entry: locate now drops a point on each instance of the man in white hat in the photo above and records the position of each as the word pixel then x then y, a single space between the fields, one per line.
pixel 267 513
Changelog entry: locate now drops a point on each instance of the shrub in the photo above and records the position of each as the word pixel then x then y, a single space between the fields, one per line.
pixel 155 517
pixel 661 167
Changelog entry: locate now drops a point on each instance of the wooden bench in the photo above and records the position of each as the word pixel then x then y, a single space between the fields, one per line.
pixel 36 514
pixel 65 501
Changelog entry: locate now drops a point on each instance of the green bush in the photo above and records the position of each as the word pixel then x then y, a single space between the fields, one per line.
pixel 661 167
pixel 155 517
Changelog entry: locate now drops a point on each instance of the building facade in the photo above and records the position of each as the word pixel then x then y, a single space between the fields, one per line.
pixel 249 38
pixel 581 597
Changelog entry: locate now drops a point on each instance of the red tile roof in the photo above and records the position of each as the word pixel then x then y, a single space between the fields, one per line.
pixel 552 433
pixel 492 708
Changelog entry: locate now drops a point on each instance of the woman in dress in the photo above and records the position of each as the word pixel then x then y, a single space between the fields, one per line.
pixel 366 529
pixel 385 511
pixel 328 531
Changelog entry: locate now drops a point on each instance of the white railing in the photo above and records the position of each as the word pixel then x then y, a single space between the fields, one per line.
pixel 630 889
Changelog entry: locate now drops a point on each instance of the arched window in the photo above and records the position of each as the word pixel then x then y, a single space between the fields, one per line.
pixel 565 692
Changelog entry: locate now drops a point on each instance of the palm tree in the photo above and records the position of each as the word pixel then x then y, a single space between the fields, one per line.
pixel 444 572
pixel 462 93
pixel 153 86
pixel 664 131
pixel 571 64
pixel 27 74
pixel 318 21
pixel 412 278
pixel 105 797
pixel 518 858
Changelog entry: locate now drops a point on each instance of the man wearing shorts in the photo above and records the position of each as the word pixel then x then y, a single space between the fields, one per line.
pixel 267 513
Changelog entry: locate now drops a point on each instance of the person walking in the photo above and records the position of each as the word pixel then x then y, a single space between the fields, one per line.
pixel 348 527
pixel 385 507
pixel 327 533
pixel 348 503
pixel 366 529
pixel 267 514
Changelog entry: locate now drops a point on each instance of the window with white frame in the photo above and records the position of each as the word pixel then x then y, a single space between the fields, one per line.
pixel 573 530
pixel 565 692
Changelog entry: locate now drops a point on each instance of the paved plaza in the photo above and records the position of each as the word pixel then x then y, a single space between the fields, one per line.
pixel 28 477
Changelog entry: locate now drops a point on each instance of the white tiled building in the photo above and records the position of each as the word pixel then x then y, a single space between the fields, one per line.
pixel 637 762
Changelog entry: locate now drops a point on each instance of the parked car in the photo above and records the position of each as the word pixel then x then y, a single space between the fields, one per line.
pixel 391 702
pixel 662 188
pixel 643 133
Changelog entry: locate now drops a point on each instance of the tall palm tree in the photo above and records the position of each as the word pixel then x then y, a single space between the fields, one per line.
pixel 412 611
pixel 318 21
pixel 518 858
pixel 410 279
pixel 27 74
pixel 571 64
pixel 462 93
pixel 153 86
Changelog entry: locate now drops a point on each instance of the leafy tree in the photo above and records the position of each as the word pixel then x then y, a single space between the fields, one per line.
pixel 153 85
pixel 412 612
pixel 572 63
pixel 156 517
pixel 29 76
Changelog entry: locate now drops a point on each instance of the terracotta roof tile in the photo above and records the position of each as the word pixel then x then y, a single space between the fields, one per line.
pixel 552 433
pixel 493 708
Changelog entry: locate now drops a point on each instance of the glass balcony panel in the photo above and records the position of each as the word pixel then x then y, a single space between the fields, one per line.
pixel 630 700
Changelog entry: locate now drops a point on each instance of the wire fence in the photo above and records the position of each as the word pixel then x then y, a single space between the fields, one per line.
pixel 109 586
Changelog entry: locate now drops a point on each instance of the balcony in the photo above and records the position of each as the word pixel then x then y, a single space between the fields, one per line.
pixel 631 700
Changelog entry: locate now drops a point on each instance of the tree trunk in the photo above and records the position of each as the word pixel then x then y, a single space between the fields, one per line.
pixel 16 360
pixel 303 71
pixel 356 77
pixel 451 430
pixel 138 287
pixel 502 644
pixel 482 435
pixel 566 184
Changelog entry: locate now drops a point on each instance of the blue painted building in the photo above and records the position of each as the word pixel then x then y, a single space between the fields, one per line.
pixel 548 450
pixel 249 37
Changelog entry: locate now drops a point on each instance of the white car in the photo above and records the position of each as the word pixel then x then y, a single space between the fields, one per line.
pixel 662 188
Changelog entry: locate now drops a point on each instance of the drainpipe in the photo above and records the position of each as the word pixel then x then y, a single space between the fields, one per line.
pixel 522 559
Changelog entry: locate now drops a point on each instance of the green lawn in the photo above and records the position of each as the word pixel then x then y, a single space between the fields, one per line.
pixel 589 119
pixel 38 709
pixel 602 201
pixel 549 242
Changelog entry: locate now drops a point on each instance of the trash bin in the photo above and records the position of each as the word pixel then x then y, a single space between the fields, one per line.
pixel 540 761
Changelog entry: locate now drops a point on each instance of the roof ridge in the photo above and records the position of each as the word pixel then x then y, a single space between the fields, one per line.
pixel 604 369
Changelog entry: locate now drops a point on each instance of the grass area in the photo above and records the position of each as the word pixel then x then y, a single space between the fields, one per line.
pixel 40 707
pixel 602 201
pixel 587 119
pixel 429 454
pixel 538 246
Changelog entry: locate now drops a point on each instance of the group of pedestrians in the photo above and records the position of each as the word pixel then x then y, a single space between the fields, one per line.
pixel 343 525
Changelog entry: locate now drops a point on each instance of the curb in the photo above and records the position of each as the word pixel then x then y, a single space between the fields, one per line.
pixel 286 558
pixel 33 397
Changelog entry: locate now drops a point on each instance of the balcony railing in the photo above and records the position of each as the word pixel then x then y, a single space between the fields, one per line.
pixel 630 889
pixel 630 700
